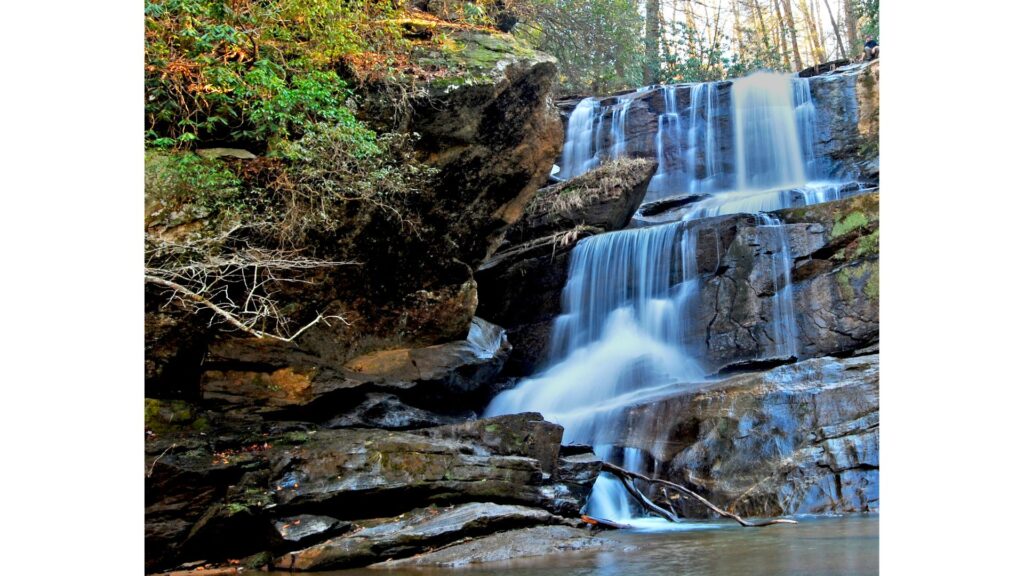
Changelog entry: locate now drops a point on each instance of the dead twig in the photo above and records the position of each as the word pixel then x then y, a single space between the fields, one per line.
pixel 628 478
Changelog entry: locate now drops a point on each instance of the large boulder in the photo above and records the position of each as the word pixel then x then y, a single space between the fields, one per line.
pixel 411 533
pixel 505 546
pixel 603 198
pixel 487 135
pixel 276 486
pixel 798 439
pixel 246 378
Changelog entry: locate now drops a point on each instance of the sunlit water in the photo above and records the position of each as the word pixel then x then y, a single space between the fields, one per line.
pixel 814 547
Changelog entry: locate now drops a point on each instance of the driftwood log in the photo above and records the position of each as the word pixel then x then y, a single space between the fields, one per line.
pixel 629 479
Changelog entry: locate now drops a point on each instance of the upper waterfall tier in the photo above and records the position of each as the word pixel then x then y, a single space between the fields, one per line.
pixel 763 142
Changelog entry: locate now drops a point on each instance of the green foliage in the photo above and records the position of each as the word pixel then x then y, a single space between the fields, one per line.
pixel 253 70
pixel 335 164
pixel 867 17
pixel 598 43
pixel 179 178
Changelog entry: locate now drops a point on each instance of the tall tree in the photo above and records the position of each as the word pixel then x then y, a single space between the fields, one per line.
pixel 851 25
pixel 652 33
pixel 760 21
pixel 812 32
pixel 781 43
pixel 835 28
pixel 792 33
pixel 737 29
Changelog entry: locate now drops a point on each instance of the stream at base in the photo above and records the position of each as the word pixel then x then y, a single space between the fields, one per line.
pixel 845 546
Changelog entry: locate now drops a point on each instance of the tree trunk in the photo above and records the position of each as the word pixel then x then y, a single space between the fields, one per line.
pixel 652 61
pixel 835 28
pixel 782 37
pixel 812 32
pixel 737 30
pixel 760 21
pixel 792 33
pixel 851 26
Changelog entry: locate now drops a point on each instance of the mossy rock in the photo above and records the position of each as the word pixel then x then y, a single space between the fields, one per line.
pixel 165 417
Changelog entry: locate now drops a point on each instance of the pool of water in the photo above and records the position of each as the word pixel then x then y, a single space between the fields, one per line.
pixel 846 546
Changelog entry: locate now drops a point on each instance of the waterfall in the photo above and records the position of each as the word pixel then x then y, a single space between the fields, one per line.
pixel 617 343
pixel 620 339
pixel 580 152
pixel 619 116
pixel 768 151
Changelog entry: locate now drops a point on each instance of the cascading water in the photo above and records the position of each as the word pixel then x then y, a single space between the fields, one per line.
pixel 580 153
pixel 619 117
pixel 620 339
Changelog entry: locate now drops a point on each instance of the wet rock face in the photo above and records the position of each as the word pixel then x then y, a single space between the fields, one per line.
pixel 847 135
pixel 833 249
pixel 521 285
pixel 798 439
pixel 280 487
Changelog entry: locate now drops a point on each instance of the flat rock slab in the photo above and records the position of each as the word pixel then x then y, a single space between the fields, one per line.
pixel 413 533
pixel 523 543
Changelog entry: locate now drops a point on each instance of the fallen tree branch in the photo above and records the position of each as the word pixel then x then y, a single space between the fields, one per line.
pixel 627 478
pixel 230 318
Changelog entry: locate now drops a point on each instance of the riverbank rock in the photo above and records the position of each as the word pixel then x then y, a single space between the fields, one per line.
pixel 504 546
pixel 239 490
pixel 415 531
pixel 521 285
pixel 797 439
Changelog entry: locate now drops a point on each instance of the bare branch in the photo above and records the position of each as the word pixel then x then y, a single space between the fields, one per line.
pixel 627 478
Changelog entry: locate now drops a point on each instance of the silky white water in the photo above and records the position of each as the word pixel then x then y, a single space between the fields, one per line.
pixel 619 341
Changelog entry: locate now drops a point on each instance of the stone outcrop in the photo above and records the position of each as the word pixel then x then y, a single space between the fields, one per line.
pixel 281 487
pixel 489 134
pixel 521 285
pixel 848 102
pixel 833 250
pixel 503 546
pixel 417 530
pixel 798 439
pixel 246 379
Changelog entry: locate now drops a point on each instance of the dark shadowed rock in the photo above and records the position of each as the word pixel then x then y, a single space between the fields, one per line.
pixel 244 378
pixel 388 412
pixel 413 533
pixel 511 545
